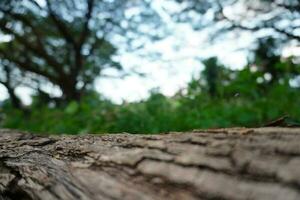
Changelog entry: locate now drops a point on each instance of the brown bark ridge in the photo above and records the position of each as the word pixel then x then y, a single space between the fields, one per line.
pixel 236 163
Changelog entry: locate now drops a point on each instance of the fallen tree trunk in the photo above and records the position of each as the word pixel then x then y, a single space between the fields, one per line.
pixel 239 163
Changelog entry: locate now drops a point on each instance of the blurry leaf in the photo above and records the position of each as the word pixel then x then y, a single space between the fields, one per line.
pixel 72 108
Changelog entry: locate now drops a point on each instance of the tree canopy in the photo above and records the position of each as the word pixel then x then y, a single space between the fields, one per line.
pixel 65 43
pixel 275 18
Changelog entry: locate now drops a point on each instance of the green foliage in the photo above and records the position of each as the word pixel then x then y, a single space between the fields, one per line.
pixel 240 98
pixel 158 113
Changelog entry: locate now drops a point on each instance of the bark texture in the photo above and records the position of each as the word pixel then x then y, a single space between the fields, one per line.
pixel 228 164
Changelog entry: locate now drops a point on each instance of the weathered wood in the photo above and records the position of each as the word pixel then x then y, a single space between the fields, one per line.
pixel 239 163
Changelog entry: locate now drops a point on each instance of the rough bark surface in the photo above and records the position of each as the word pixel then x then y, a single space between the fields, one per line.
pixel 239 163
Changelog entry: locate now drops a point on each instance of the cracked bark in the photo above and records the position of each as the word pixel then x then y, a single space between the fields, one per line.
pixel 238 163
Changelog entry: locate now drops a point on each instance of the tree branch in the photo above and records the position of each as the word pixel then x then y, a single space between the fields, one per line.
pixel 83 36
pixel 28 66
pixel 36 4
pixel 290 35
pixel 288 7
pixel 61 27
pixel 85 30
pixel 28 23
pixel 36 50
pixel 234 24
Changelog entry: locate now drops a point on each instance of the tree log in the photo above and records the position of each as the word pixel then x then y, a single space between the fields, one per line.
pixel 227 164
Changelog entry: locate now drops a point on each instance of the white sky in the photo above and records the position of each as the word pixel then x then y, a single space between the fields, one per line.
pixel 182 49
pixel 168 76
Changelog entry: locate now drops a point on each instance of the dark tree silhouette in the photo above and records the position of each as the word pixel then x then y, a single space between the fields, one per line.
pixel 66 43
pixel 275 18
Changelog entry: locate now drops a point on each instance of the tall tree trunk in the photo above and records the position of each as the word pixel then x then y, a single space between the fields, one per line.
pixel 15 101
pixel 70 92
pixel 230 164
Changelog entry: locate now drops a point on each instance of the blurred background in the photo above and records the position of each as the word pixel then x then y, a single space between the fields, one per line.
pixel 147 66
